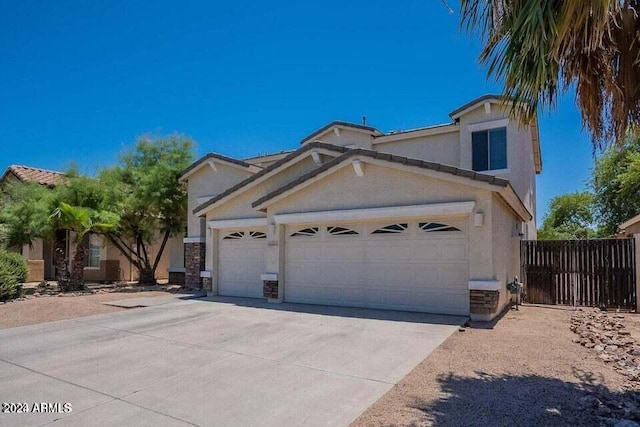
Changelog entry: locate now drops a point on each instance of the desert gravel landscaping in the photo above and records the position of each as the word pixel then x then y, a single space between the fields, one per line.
pixel 50 308
pixel 525 370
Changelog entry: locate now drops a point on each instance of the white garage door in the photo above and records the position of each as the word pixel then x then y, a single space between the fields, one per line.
pixel 412 265
pixel 241 261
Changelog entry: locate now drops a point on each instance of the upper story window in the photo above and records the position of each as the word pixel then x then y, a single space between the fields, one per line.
pixel 489 149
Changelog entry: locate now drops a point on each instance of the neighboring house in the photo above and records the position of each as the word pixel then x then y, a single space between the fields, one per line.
pixel 426 219
pixel 104 261
pixel 630 227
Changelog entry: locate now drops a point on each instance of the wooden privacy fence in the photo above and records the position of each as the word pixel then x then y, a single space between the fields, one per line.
pixel 593 272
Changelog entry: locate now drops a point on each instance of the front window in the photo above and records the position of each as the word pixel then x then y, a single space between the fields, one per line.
pixel 92 244
pixel 489 149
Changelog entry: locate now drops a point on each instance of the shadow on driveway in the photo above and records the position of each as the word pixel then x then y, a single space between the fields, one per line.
pixel 526 400
pixel 354 312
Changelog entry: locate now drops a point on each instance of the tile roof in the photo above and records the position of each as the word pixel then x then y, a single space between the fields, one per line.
pixel 38 175
pixel 490 179
pixel 304 148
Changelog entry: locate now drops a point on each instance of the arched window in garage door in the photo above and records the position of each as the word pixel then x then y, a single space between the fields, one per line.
pixel 340 231
pixel 431 227
pixel 236 235
pixel 306 232
pixel 391 229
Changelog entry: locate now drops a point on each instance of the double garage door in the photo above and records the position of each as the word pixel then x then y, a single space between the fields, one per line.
pixel 411 265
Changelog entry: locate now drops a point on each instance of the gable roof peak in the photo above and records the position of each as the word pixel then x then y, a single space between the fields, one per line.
pixel 339 123
pixel 215 156
pixel 489 97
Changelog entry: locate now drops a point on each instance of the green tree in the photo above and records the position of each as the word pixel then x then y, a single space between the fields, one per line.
pixel 25 216
pixel 570 217
pixel 616 185
pixel 145 194
pixel 80 221
pixel 542 48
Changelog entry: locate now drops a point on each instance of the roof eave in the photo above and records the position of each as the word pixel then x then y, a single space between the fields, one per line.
pixel 202 161
pixel 291 187
pixel 339 124
pixel 255 179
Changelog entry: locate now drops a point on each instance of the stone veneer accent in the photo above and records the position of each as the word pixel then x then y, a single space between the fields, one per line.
pixel 176 277
pixel 194 258
pixel 270 289
pixel 484 302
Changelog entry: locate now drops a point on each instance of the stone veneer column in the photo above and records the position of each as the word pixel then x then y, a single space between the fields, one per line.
pixel 194 258
pixel 484 299
pixel 484 302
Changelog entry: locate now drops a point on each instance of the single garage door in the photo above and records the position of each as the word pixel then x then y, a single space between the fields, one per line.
pixel 241 260
pixel 411 266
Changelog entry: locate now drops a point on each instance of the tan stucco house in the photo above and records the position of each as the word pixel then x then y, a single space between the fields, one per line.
pixel 104 261
pixel 425 220
pixel 630 227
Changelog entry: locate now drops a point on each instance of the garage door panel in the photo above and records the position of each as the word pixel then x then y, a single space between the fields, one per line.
pixel 433 302
pixel 299 250
pixel 341 251
pixel 240 263
pixel 412 270
pixel 300 273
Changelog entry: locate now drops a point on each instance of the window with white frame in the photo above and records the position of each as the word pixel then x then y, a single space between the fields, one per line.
pixel 489 149
pixel 92 245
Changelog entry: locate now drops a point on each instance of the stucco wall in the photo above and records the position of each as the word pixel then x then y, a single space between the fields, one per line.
pixel 240 206
pixel 175 249
pixel 520 165
pixel 442 148
pixel 381 186
pixel 207 182
pixel 506 247
pixel 33 251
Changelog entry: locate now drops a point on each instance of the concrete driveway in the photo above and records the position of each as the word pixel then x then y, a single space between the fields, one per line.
pixel 214 361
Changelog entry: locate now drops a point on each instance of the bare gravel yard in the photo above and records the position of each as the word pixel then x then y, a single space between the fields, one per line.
pixel 51 308
pixel 524 371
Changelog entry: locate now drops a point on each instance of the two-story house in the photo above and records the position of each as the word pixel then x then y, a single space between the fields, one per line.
pixel 426 219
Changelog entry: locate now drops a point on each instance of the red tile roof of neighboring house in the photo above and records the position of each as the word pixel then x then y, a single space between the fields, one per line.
pixel 28 174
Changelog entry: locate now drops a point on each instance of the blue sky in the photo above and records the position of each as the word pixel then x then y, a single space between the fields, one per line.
pixel 80 80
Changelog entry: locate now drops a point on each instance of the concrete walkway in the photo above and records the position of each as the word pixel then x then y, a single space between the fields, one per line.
pixel 214 362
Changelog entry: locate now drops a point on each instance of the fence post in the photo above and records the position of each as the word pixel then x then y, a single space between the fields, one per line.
pixel 636 248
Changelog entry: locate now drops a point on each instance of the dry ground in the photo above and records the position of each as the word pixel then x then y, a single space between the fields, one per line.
pixel 50 308
pixel 524 371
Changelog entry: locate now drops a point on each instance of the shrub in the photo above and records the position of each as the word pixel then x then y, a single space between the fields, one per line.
pixel 13 271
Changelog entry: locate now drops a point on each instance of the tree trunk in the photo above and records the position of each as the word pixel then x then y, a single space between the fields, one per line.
pixel 61 265
pixel 76 281
pixel 147 276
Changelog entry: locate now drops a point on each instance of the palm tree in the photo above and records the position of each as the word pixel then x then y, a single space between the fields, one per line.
pixel 81 221
pixel 541 48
